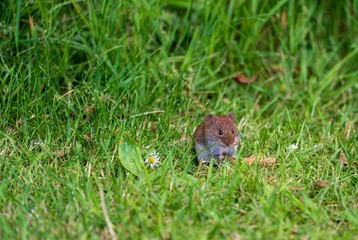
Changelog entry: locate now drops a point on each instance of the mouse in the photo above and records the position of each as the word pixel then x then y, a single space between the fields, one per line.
pixel 216 138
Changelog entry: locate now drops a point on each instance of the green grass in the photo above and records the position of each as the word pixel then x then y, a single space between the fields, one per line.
pixel 90 88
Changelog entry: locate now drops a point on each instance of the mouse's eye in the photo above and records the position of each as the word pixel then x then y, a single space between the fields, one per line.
pixel 233 132
pixel 221 132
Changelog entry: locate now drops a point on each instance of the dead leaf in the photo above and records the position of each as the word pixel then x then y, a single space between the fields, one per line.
pixel 239 77
pixel 250 159
pixel 87 138
pixel 236 236
pixel 295 228
pixel 184 138
pixel 10 129
pixel 19 121
pixel 343 159
pixel 277 68
pixel 322 184
pixel 32 116
pixel 90 109
pixel 31 22
pixel 62 153
pixel 202 170
pixel 226 100
pixel 346 127
pixel 260 159
pixel 296 188
pixel 284 19
pixel 232 159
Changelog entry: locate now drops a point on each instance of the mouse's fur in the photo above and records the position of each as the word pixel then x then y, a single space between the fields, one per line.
pixel 216 137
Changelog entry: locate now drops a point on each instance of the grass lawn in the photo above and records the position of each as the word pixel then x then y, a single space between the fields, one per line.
pixel 90 89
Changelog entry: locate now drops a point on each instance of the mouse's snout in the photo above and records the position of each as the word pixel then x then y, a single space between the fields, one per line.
pixel 237 140
pixel 228 140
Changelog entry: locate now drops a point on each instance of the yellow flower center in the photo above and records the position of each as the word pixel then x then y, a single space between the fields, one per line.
pixel 151 159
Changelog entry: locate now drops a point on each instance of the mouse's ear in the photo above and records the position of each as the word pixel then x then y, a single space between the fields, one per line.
pixel 231 115
pixel 211 118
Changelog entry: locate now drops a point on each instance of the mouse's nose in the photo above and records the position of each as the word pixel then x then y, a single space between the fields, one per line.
pixel 229 140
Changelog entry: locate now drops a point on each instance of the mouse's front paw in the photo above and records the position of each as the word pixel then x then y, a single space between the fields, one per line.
pixel 220 157
pixel 230 152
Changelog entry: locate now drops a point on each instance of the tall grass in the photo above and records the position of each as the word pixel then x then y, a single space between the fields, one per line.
pixel 83 80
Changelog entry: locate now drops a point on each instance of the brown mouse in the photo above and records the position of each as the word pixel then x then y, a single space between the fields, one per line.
pixel 216 137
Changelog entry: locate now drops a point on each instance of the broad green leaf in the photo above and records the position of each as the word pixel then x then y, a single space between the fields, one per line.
pixel 131 158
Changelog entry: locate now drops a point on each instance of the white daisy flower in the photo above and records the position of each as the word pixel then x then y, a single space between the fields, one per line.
pixel 35 143
pixel 292 147
pixel 34 213
pixel 153 160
